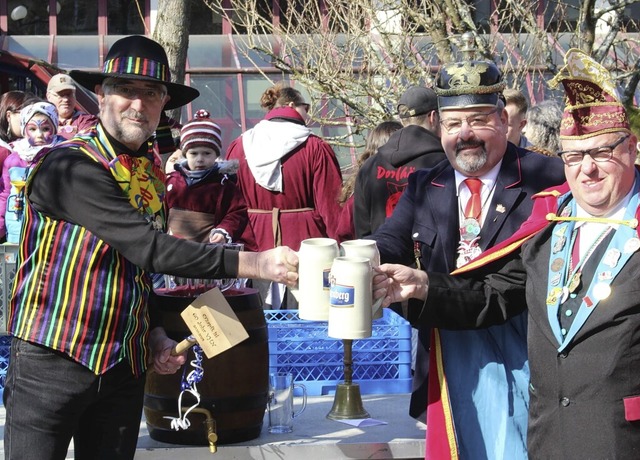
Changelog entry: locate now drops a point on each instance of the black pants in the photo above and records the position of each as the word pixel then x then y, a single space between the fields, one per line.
pixel 50 398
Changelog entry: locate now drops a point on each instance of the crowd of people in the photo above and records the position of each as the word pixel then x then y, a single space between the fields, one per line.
pixel 497 262
pixel 572 267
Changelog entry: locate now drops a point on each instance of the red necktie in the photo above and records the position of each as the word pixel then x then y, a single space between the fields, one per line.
pixel 474 205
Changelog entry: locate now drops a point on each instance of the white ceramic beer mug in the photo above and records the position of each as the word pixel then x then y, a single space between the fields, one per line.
pixel 368 249
pixel 315 258
pixel 350 298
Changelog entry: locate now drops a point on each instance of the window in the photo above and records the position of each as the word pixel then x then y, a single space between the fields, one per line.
pixel 204 20
pixel 78 52
pixel 77 17
pixel 28 17
pixel 126 17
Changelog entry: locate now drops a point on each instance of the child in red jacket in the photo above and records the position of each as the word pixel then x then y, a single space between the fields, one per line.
pixel 204 202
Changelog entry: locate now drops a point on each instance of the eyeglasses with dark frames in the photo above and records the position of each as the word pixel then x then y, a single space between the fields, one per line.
pixel 598 154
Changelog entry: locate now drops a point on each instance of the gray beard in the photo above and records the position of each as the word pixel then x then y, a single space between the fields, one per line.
pixel 131 136
pixel 471 164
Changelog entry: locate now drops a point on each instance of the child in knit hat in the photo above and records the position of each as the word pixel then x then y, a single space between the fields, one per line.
pixel 39 125
pixel 204 202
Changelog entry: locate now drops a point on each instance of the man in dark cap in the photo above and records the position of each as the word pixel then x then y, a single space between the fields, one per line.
pixel 383 177
pixel 477 380
pixel 574 266
pixel 92 234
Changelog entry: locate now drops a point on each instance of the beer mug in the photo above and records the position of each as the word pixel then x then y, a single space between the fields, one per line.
pixel 315 258
pixel 350 295
pixel 280 404
pixel 368 249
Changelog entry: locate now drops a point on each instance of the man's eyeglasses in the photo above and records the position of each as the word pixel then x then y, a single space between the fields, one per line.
pixel 66 94
pixel 151 95
pixel 481 120
pixel 599 154
pixel 303 105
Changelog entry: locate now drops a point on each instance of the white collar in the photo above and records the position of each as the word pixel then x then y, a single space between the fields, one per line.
pixel 616 214
pixel 488 179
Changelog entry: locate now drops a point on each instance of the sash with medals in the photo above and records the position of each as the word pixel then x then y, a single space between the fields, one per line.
pixel 564 282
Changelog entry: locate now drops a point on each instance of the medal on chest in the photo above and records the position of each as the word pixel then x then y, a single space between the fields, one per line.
pixel 468 248
pixel 566 262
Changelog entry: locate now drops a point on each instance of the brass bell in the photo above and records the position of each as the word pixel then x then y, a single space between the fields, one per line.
pixel 347 402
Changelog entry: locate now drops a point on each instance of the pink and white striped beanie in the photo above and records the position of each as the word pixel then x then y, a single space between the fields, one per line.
pixel 201 131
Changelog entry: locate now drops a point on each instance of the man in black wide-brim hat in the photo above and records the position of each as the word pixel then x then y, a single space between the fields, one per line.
pixel 91 237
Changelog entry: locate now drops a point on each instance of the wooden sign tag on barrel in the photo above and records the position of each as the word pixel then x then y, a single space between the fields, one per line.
pixel 213 324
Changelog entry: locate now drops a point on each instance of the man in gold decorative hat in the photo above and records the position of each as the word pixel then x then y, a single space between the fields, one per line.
pixel 446 217
pixel 574 264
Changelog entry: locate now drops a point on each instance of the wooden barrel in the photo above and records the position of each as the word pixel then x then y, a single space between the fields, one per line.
pixel 235 384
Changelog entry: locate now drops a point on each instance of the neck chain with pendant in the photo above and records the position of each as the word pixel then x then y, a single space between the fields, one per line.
pixel 468 248
pixel 573 271
pixel 470 226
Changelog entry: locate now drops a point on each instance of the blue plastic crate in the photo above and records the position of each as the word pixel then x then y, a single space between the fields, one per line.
pixel 5 349
pixel 8 254
pixel 381 363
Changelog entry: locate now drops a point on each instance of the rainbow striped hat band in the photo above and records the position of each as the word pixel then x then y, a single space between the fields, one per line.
pixel 137 66
pixel 138 58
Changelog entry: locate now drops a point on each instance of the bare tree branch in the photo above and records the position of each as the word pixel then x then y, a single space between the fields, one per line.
pixel 356 57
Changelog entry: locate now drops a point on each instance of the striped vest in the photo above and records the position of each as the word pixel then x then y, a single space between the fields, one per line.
pixel 72 291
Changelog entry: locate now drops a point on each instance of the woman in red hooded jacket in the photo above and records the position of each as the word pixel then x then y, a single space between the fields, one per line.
pixel 290 179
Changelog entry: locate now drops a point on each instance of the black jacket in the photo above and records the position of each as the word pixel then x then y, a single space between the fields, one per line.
pixel 584 399
pixel 383 177
pixel 427 215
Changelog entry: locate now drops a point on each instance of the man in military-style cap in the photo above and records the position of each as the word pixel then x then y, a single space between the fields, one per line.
pixel 474 382
pixel 574 266
pixel 81 313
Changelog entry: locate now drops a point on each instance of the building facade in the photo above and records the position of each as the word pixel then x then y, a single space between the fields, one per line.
pixel 76 34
